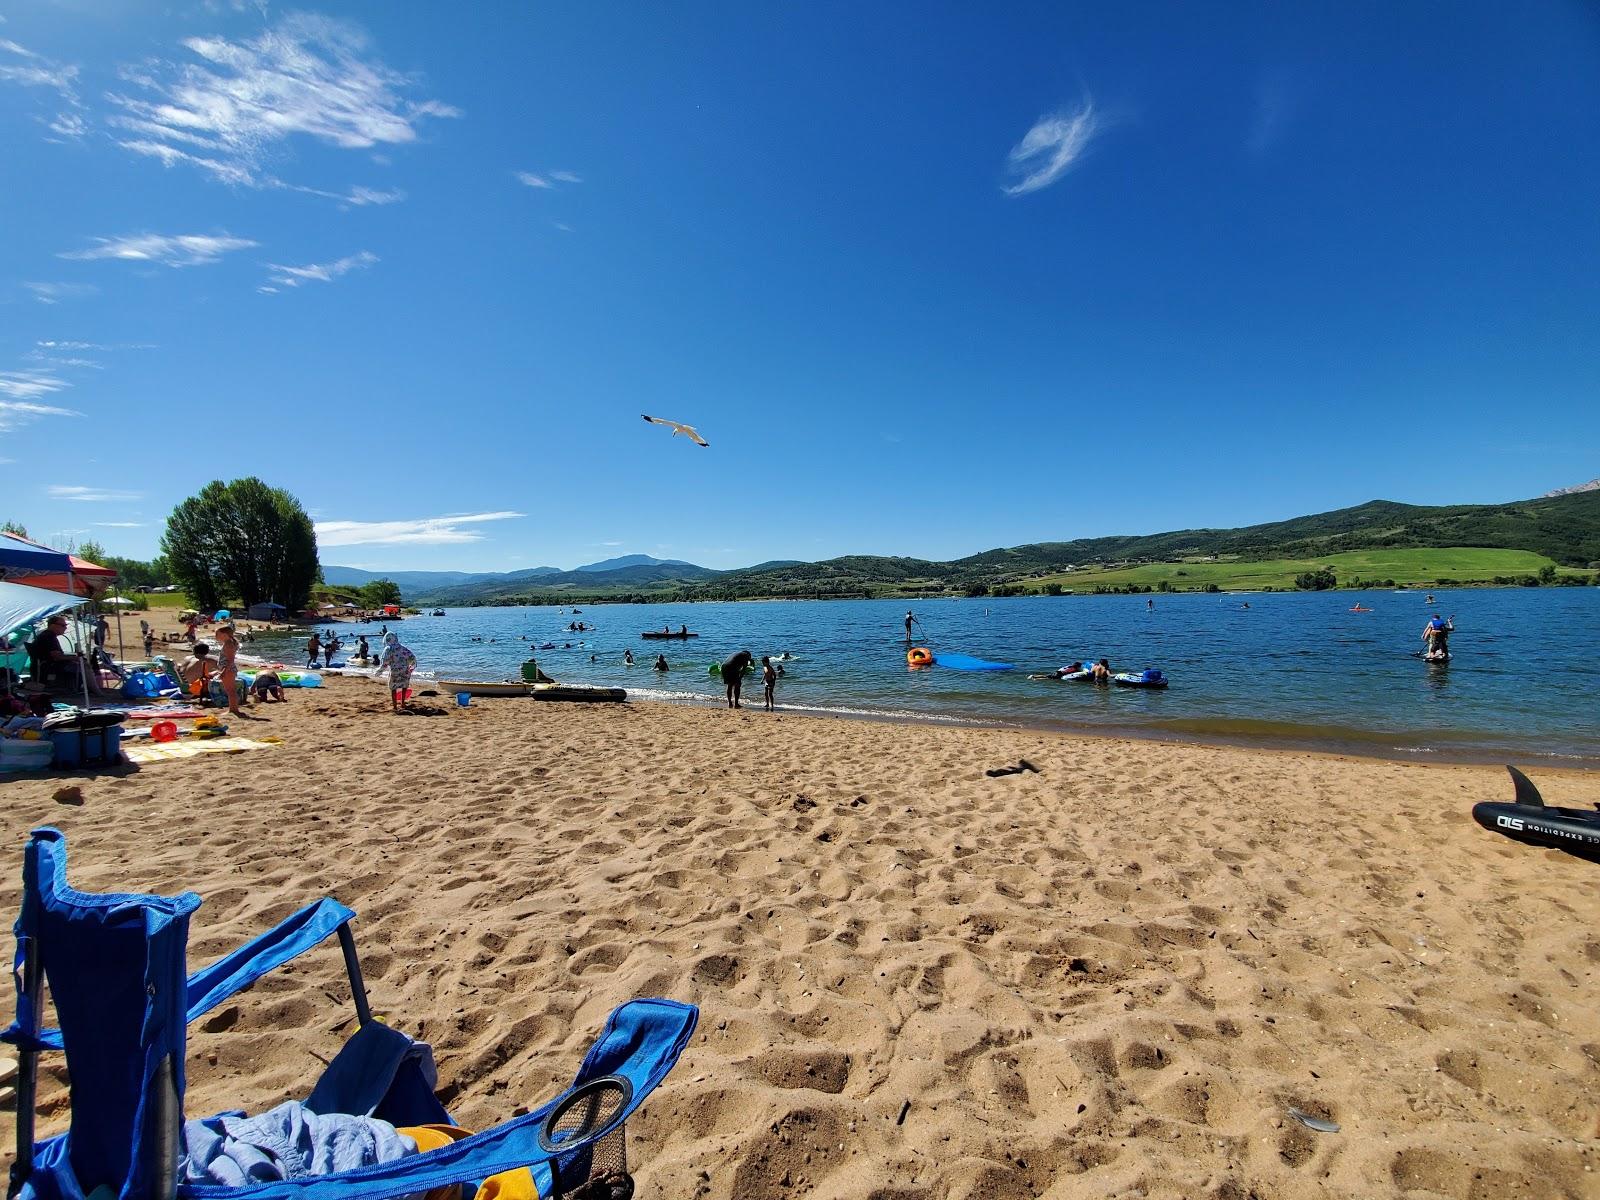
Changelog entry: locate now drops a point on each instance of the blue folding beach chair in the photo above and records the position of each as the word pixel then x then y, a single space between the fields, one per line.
pixel 115 968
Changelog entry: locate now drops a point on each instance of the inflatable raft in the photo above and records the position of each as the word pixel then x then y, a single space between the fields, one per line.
pixel 1150 678
pixel 1529 820
pixel 659 635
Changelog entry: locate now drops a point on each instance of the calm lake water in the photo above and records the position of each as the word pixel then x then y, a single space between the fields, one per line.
pixel 1295 667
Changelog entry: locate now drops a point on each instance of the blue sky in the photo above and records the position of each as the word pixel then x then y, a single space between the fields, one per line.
pixel 930 278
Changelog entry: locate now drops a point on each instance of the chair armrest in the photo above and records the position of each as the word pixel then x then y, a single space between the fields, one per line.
pixel 288 939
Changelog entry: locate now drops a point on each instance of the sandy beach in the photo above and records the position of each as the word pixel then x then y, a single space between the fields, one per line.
pixel 1111 978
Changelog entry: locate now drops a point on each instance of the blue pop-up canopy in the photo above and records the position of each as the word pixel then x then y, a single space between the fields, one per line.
pixel 21 606
pixel 19 556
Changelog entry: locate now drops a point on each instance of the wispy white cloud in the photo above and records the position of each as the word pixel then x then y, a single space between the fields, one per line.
pixel 426 531
pixel 60 360
pixel 69 346
pixel 59 491
pixel 31 385
pixel 360 197
pixel 55 293
pixel 290 277
pixel 16 413
pixel 23 67
pixel 20 393
pixel 106 347
pixel 1048 150
pixel 230 105
pixel 67 125
pixel 118 524
pixel 177 250
pixel 223 172
pixel 562 226
pixel 548 180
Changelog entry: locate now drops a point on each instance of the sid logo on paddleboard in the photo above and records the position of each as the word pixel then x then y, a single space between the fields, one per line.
pixel 1509 822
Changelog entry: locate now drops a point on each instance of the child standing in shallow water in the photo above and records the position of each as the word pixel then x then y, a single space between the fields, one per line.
pixel 769 680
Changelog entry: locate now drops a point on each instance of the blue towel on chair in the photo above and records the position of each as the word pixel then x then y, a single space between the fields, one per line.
pixel 287 1142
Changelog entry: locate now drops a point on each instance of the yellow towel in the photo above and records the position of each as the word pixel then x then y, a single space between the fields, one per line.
pixel 508 1185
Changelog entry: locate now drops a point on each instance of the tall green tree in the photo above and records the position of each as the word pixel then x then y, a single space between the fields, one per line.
pixel 380 592
pixel 245 540
pixel 94 552
pixel 13 527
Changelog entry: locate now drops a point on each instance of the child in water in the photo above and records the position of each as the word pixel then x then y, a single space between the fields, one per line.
pixel 769 680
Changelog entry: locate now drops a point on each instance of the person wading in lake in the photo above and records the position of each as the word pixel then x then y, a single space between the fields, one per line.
pixel 733 675
pixel 769 680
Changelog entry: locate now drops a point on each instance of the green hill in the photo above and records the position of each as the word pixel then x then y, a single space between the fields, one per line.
pixel 1425 544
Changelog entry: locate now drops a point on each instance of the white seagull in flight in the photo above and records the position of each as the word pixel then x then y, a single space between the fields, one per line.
pixel 688 431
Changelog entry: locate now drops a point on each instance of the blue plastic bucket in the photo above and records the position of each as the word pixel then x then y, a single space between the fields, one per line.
pixel 464 699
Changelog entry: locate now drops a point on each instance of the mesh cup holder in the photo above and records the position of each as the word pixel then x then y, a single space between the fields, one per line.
pixel 591 1115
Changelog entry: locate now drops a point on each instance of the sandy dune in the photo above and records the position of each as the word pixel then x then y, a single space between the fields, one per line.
pixel 1111 978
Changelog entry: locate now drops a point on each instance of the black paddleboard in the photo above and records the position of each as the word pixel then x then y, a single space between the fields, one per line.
pixel 1529 820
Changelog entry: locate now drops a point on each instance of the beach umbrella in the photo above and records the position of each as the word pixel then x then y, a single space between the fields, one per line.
pixel 326 606
pixel 118 600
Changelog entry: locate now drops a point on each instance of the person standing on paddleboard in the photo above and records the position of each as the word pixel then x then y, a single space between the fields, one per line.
pixel 910 621
pixel 1436 633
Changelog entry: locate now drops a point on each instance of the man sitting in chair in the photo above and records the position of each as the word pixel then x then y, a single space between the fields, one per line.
pixel 51 665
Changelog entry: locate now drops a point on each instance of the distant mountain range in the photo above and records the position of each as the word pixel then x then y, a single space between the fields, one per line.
pixel 446 587
pixel 1563 527
pixel 1592 486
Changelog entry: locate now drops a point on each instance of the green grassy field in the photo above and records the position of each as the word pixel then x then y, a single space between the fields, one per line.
pixel 167 600
pixel 1423 567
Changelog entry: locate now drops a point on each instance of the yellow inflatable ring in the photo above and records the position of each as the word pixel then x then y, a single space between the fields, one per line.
pixel 919 656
